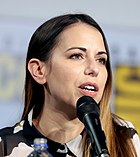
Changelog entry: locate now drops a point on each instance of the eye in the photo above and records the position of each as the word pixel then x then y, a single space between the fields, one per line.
pixel 102 60
pixel 76 56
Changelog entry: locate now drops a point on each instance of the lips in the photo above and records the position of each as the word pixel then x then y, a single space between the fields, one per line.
pixel 89 89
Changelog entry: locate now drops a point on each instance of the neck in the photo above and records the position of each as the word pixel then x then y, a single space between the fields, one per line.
pixel 58 127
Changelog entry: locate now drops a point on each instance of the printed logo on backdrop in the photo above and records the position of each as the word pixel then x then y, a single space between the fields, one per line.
pixel 127 88
pixel 127 93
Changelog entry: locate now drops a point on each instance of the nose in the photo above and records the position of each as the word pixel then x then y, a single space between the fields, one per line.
pixel 92 68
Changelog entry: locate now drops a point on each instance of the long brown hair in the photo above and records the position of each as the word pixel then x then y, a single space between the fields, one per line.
pixel 41 45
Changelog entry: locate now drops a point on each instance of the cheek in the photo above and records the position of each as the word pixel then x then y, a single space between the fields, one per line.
pixel 61 75
pixel 65 71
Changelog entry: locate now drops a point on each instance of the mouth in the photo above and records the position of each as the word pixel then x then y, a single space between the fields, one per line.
pixel 88 88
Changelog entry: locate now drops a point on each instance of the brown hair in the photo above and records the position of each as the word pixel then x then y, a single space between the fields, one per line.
pixel 41 45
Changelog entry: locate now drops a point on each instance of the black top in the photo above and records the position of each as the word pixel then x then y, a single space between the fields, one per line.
pixel 27 136
pixel 10 137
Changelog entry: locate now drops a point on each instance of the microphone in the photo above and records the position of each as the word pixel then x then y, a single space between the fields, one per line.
pixel 88 113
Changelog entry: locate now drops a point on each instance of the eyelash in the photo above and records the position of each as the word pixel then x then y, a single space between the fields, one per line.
pixel 76 56
pixel 102 60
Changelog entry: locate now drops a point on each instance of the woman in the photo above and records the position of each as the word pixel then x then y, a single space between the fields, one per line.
pixel 67 58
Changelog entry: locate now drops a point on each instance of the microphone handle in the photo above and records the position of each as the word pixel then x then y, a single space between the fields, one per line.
pixel 96 135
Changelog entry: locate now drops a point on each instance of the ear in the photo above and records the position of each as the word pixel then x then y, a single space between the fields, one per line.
pixel 37 69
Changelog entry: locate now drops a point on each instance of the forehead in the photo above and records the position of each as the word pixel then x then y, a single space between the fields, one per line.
pixel 79 28
pixel 80 33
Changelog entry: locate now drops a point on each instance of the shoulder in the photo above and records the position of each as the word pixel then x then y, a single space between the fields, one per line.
pixel 11 131
pixel 6 131
pixel 135 137
pixel 11 137
pixel 124 126
pixel 128 127
pixel 3 135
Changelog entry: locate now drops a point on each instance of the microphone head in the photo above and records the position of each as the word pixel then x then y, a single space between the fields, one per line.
pixel 86 105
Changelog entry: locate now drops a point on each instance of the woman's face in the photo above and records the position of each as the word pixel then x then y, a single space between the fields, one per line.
pixel 77 68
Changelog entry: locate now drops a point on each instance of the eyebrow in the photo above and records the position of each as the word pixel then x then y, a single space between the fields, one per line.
pixel 102 52
pixel 84 49
pixel 80 48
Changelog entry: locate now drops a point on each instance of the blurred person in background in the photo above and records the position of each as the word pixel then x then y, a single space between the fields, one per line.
pixel 68 57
